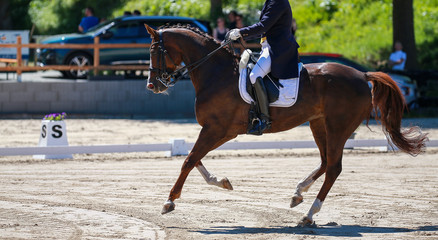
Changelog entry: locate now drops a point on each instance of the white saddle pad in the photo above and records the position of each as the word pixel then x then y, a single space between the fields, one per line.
pixel 288 93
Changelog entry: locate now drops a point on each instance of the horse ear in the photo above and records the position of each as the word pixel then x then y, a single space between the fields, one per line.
pixel 151 31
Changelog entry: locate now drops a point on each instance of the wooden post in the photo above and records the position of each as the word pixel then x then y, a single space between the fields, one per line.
pixel 96 55
pixel 19 59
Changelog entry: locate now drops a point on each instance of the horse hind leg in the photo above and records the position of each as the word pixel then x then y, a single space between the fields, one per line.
pixel 305 184
pixel 337 134
pixel 318 129
pixel 334 168
pixel 211 179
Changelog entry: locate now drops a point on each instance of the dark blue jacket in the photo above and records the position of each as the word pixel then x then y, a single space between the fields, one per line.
pixel 276 25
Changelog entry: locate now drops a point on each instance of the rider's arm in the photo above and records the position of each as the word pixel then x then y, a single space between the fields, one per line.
pixel 272 12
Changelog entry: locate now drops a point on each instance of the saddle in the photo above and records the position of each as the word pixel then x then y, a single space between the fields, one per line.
pixel 281 92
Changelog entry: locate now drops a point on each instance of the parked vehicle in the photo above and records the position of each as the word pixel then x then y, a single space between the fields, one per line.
pixel 406 84
pixel 128 29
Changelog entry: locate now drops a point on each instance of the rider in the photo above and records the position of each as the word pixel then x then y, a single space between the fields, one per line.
pixel 279 53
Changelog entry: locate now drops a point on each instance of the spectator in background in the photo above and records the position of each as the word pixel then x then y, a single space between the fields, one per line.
pixel 220 31
pixel 397 59
pixel 239 21
pixel 88 21
pixel 239 24
pixel 127 13
pixel 137 12
pixel 232 19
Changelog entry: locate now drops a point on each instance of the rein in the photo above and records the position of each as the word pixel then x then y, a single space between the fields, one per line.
pixel 169 79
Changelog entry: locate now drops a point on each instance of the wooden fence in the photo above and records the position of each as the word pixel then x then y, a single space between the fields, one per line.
pixel 96 46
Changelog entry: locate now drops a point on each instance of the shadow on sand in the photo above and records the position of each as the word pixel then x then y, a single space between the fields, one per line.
pixel 321 230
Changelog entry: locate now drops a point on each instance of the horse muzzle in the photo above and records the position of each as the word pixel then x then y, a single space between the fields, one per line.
pixel 155 88
pixel 150 86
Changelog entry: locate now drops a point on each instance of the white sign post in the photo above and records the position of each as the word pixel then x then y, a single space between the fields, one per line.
pixel 53 133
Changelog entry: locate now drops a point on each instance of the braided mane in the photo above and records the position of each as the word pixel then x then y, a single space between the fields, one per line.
pixel 196 30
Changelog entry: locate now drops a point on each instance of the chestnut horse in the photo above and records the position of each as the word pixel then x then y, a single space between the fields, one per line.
pixel 334 98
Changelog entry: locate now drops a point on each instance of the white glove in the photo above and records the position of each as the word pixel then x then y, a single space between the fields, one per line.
pixel 235 34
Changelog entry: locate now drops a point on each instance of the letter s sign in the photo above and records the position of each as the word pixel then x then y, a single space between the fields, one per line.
pixel 57 133
pixel 43 131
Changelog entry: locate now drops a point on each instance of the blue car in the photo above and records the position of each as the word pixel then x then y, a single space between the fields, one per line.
pixel 129 29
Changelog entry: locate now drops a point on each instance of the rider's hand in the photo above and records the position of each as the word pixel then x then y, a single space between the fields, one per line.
pixel 234 34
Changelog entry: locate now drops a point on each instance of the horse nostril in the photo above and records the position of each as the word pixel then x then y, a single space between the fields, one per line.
pixel 150 86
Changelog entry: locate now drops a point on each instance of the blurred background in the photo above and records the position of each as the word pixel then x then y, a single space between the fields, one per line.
pixel 364 31
pixel 358 29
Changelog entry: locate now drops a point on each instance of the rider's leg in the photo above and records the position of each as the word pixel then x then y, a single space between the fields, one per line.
pixel 261 69
pixel 263 65
pixel 263 105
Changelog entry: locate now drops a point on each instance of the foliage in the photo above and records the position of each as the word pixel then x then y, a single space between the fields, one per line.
pixel 186 8
pixel 362 29
pixel 18 13
pixel 359 29
pixel 55 116
pixel 64 16
pixel 426 32
pixel 250 9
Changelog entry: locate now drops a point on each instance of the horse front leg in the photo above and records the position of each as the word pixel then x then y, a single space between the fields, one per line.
pixel 208 140
pixel 211 179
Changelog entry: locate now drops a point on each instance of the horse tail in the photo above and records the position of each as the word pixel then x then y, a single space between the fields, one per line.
pixel 388 105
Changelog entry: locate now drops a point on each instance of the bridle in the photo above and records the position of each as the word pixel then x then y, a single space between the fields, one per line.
pixel 168 79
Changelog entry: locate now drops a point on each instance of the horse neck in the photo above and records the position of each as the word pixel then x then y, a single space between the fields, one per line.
pixel 218 69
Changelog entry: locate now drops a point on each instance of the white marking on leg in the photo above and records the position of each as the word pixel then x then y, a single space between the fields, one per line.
pixel 209 178
pixel 305 183
pixel 316 207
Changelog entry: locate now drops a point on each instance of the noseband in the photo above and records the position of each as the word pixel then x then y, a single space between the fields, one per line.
pixel 168 79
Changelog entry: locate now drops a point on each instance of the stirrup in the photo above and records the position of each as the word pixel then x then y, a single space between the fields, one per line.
pixel 260 127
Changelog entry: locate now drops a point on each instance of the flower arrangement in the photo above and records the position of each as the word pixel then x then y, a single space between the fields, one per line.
pixel 55 116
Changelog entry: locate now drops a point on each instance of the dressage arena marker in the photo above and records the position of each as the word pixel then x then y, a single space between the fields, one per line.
pixel 172 150
pixel 53 133
pixel 178 147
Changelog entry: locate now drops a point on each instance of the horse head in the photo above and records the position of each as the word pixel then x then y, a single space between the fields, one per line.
pixel 164 60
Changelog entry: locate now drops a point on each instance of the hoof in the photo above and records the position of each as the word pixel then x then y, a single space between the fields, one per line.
pixel 226 184
pixel 306 222
pixel 168 207
pixel 296 200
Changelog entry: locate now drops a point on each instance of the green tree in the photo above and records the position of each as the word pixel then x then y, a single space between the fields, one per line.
pixel 187 8
pixel 426 32
pixel 403 30
pixel 215 9
pixel 5 17
pixel 19 14
pixel 359 29
pixel 58 16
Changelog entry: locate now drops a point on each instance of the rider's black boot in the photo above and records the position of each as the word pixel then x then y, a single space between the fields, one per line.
pixel 263 105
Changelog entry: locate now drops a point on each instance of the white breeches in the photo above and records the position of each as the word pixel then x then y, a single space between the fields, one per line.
pixel 263 65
